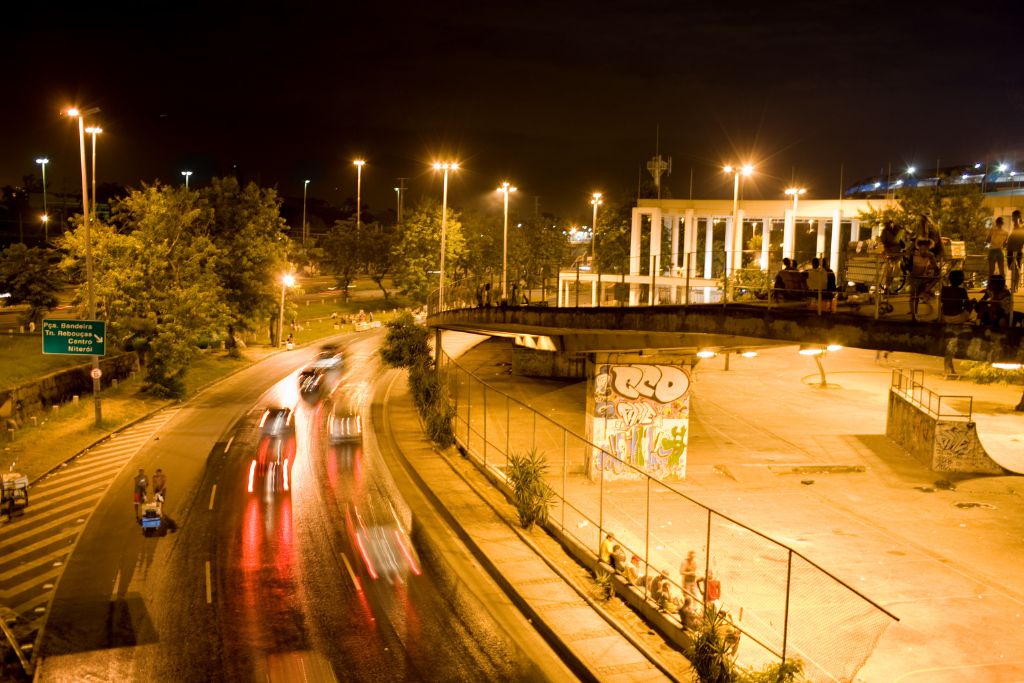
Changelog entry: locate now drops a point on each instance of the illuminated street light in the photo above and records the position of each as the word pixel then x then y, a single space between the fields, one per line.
pixel 305 187
pixel 80 115
pixel 505 189
pixel 706 353
pixel 444 166
pixel 911 170
pixel 43 161
pixel 94 131
pixel 1002 168
pixel 286 282
pixel 187 174
pixel 359 163
pixel 737 229
pixel 596 200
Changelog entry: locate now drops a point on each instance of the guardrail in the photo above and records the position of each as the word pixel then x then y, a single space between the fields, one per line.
pixel 691 278
pixel 910 385
pixel 785 604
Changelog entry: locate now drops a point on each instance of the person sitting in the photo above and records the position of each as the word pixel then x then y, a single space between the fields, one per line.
pixel 956 304
pixel 618 559
pixel 791 284
pixel 688 616
pixel 632 570
pixel 996 305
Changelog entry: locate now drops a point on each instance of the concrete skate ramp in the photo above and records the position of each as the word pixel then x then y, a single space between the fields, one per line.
pixel 1002 437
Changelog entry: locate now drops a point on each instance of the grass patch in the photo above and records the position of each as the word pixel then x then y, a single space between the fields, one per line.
pixel 24 360
pixel 57 436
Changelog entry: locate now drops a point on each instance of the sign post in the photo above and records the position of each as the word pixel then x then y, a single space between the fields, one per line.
pixel 75 337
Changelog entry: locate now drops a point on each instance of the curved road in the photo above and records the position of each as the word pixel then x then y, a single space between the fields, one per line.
pixel 337 578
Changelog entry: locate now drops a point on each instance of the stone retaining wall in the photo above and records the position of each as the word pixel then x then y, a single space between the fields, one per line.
pixel 58 387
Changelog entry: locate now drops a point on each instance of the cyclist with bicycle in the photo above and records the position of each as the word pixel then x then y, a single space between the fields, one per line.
pixel 924 273
pixel 892 250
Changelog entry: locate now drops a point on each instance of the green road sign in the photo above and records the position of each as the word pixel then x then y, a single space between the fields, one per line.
pixel 75 337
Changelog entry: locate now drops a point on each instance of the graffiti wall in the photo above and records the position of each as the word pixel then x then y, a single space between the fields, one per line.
pixel 638 409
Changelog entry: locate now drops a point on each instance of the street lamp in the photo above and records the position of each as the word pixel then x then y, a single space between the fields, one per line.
pixel 444 166
pixel 305 187
pixel 286 282
pixel 505 189
pixel 80 115
pixel 795 193
pixel 186 174
pixel 737 229
pixel 43 161
pixel 596 201
pixel 359 163
pixel 94 131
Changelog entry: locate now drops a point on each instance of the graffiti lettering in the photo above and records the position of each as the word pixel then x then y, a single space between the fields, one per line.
pixel 662 383
pixel 635 413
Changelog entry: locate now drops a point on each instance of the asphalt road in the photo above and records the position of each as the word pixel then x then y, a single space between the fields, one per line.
pixel 335 578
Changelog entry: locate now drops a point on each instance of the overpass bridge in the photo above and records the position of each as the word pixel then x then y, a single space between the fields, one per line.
pixel 571 325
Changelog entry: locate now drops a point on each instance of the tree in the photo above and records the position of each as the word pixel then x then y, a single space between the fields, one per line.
pixel 156 282
pixel 614 226
pixel 29 276
pixel 245 225
pixel 537 247
pixel 417 253
pixel 378 252
pixel 958 210
pixel 341 247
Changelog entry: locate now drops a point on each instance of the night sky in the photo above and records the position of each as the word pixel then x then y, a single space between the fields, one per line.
pixel 560 98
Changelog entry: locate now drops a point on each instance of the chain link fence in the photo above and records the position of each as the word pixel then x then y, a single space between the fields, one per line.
pixel 785 605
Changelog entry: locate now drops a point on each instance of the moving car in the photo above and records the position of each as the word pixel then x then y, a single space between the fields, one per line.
pixel 345 423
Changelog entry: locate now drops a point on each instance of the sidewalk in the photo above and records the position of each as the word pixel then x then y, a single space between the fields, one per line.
pixel 812 468
pixel 547 585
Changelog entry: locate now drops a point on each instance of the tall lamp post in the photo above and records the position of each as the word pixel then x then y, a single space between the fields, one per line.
pixel 305 187
pixel 94 131
pixel 596 200
pixel 43 161
pixel 732 257
pixel 80 115
pixel 187 174
pixel 359 163
pixel 444 166
pixel 795 193
pixel 505 189
pixel 286 282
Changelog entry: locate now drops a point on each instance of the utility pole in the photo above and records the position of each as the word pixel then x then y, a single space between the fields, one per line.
pixel 401 197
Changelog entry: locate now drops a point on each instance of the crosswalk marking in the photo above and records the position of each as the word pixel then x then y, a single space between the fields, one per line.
pixel 35 547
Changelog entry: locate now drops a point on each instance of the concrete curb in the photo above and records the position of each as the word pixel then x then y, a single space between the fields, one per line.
pixel 537 618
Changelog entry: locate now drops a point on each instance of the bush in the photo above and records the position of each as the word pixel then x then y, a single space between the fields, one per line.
pixel 405 345
pixel 532 496
pixel 984 373
pixel 439 424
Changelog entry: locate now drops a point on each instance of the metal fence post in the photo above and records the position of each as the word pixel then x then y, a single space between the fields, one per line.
pixel 485 426
pixel 508 425
pixel 647 534
pixel 600 506
pixel 686 294
pixel 577 284
pixel 565 471
pixel 469 410
pixel 785 616
pixel 707 561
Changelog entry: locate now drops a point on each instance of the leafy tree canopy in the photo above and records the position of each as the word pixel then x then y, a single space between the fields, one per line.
pixel 29 277
pixel 417 253
pixel 956 209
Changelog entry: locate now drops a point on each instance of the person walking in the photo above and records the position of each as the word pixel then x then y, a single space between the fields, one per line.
pixel 139 493
pixel 160 485
pixel 996 240
pixel 924 270
pixel 1015 249
pixel 688 573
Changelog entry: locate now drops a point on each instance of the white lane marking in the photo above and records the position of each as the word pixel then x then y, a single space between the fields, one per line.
pixel 227 446
pixel 348 566
pixel 209 588
pixel 117 581
pixel 213 492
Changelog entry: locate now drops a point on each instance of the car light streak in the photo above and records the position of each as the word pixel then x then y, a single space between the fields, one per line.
pixel 286 474
pixel 366 556
pixel 252 473
pixel 351 573
pixel 405 551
